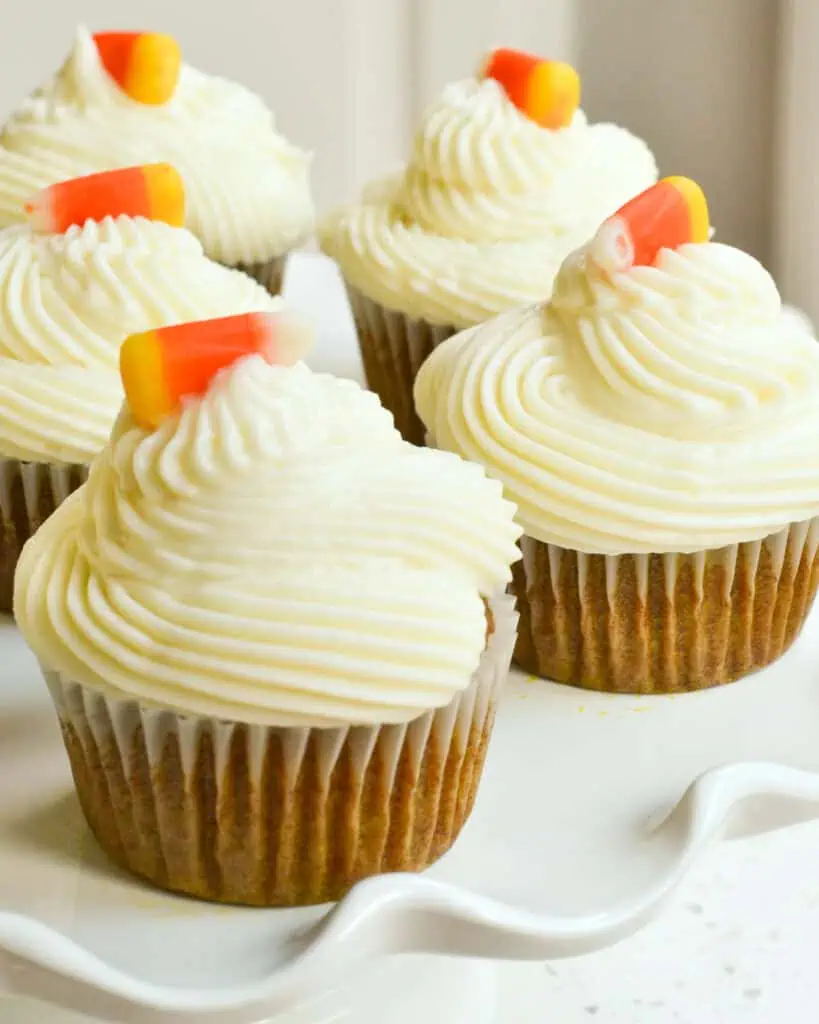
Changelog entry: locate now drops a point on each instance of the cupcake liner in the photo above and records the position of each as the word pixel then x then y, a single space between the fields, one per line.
pixel 662 623
pixel 269 274
pixel 274 816
pixel 29 493
pixel 393 348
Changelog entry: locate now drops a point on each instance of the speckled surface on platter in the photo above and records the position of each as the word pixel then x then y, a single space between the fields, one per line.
pixel 569 848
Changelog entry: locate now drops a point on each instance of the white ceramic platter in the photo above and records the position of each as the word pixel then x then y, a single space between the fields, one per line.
pixel 592 810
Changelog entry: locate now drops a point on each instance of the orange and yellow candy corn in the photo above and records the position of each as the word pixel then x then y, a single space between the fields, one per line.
pixel 547 91
pixel 154 191
pixel 145 65
pixel 160 368
pixel 665 216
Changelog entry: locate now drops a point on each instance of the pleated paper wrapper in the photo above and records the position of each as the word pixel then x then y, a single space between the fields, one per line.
pixel 269 274
pixel 663 623
pixel 29 493
pixel 275 816
pixel 393 348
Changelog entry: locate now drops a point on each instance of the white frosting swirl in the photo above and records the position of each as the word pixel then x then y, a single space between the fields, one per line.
pixel 247 189
pixel 672 408
pixel 487 208
pixel 66 304
pixel 274 554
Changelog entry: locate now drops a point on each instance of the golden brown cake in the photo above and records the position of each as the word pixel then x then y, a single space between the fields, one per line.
pixel 477 222
pixel 263 621
pixel 70 287
pixel 657 425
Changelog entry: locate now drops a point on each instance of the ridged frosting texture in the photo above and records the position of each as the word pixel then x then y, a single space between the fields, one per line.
pixel 274 554
pixel 247 188
pixel 486 209
pixel 67 302
pixel 672 408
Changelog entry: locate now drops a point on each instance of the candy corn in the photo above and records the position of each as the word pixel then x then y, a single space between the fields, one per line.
pixel 145 65
pixel 160 368
pixel 547 91
pixel 154 191
pixel 669 214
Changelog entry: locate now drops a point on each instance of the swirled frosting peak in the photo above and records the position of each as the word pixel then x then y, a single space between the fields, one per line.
pixel 247 189
pixel 486 209
pixel 275 553
pixel 67 302
pixel 669 408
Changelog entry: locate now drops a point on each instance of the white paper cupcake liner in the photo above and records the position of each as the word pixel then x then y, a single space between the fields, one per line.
pixel 29 493
pixel 278 816
pixel 663 622
pixel 393 348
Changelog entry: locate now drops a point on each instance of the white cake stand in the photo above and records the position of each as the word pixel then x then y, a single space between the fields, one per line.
pixel 593 810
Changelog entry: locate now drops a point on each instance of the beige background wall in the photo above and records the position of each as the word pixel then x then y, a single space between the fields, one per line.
pixel 348 78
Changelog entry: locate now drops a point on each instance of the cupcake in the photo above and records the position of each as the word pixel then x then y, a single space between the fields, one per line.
pixel 69 287
pixel 502 183
pixel 657 425
pixel 270 626
pixel 126 98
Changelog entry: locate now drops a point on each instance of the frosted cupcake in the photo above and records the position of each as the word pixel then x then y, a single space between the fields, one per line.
pixel 502 183
pixel 69 287
pixel 657 424
pixel 264 624
pixel 126 98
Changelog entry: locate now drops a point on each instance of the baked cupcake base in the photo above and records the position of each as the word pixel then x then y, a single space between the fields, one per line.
pixel 393 348
pixel 29 493
pixel 278 816
pixel 269 274
pixel 663 623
